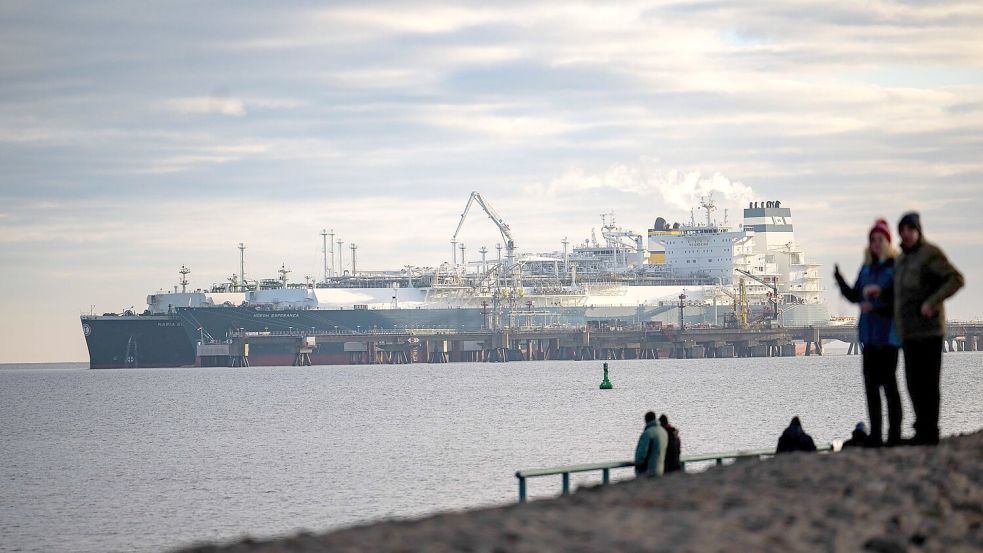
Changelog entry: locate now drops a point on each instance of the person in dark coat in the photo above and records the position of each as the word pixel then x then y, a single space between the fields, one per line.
pixel 673 447
pixel 874 291
pixel 859 438
pixel 794 438
pixel 923 280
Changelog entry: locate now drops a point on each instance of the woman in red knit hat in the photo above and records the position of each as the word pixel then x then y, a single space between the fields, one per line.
pixel 874 291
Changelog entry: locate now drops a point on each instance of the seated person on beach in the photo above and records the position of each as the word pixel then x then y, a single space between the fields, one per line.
pixel 650 453
pixel 794 438
pixel 673 446
pixel 859 438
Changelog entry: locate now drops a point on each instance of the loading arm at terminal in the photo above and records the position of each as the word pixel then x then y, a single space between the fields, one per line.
pixel 740 315
pixel 772 286
pixel 494 216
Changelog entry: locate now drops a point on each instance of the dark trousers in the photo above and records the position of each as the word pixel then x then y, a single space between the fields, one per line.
pixel 923 369
pixel 880 365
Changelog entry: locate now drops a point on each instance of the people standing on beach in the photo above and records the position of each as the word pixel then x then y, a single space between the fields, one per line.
pixel 673 446
pixel 794 438
pixel 923 279
pixel 874 291
pixel 859 437
pixel 650 453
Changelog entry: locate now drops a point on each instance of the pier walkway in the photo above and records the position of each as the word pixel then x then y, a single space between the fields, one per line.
pixel 443 345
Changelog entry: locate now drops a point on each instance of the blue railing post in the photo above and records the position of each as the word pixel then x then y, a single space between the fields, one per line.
pixel 522 489
pixel 605 476
pixel 566 483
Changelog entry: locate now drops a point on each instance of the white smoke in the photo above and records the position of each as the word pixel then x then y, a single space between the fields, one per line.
pixel 678 190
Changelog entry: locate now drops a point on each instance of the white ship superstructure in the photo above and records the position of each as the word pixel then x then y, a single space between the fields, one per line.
pixel 761 257
pixel 709 267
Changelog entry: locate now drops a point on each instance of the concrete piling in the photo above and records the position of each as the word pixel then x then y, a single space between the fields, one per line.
pixel 726 351
pixel 695 352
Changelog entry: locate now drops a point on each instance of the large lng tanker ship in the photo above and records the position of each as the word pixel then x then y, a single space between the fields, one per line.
pixel 757 266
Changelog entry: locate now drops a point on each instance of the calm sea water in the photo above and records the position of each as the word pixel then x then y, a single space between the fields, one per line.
pixel 149 460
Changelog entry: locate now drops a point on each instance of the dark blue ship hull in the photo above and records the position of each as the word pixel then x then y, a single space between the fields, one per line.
pixel 134 341
pixel 171 340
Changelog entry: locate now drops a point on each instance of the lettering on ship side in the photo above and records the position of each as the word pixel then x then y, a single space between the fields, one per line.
pixel 168 324
pixel 275 315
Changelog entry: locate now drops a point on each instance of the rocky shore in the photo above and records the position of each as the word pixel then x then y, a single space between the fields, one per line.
pixel 886 500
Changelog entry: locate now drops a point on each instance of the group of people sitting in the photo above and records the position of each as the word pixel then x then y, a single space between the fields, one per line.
pixel 658 449
pixel 794 438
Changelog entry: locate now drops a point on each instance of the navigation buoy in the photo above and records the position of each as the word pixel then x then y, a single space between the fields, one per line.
pixel 606 384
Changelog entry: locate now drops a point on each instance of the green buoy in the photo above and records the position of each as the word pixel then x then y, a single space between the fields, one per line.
pixel 606 384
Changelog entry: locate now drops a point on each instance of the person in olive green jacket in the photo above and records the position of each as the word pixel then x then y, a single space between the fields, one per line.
pixel 923 279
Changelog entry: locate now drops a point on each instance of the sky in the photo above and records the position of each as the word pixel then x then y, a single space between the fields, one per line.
pixel 139 137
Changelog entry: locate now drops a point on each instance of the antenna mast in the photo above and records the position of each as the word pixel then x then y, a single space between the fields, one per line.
pixel 324 250
pixel 341 256
pixel 184 278
pixel 242 266
pixel 353 247
pixel 331 245
pixel 566 256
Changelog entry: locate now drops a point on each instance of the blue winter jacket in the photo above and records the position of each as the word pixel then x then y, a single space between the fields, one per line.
pixel 877 327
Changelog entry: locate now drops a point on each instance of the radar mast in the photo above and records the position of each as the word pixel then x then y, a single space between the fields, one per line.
pixel 284 271
pixel 706 202
pixel 184 272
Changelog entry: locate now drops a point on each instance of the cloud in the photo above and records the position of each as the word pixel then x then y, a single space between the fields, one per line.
pixel 500 121
pixel 680 190
pixel 206 105
pixel 421 19
pixel 380 78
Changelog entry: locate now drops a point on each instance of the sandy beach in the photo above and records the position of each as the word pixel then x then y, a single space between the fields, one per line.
pixel 885 500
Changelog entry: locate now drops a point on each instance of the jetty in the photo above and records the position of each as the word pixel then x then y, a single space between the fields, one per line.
pixel 567 343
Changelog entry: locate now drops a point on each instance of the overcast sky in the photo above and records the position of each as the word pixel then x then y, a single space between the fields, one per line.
pixel 137 137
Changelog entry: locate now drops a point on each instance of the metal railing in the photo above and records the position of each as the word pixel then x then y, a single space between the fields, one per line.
pixel 606 468
pixel 302 333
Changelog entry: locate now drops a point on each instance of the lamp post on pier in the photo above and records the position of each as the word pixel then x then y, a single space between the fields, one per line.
pixel 682 306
